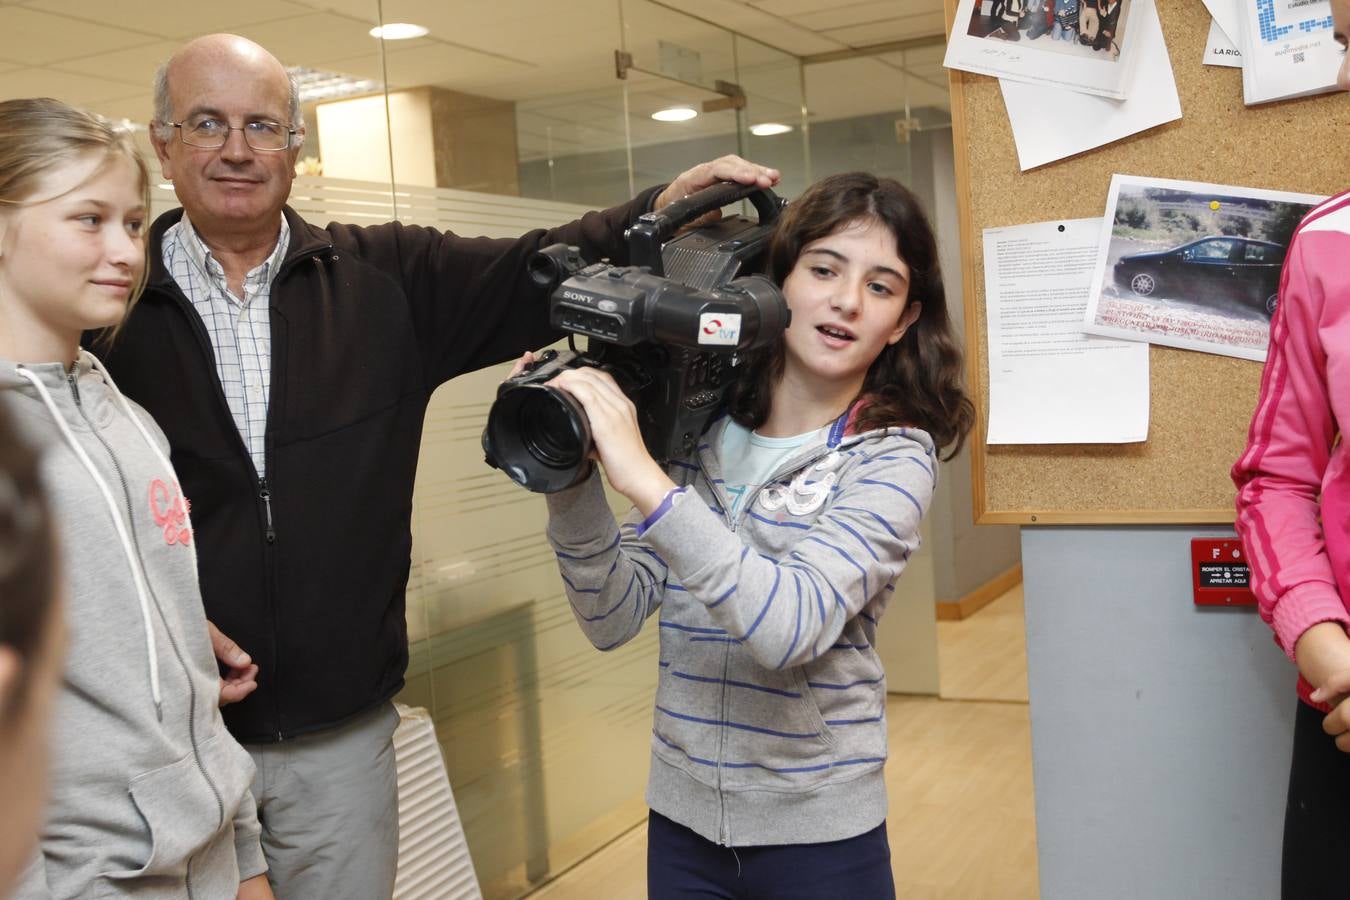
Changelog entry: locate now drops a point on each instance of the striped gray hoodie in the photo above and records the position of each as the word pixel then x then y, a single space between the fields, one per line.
pixel 770 720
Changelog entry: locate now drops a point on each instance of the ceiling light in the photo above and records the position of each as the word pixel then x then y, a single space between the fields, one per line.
pixel 765 129
pixel 398 31
pixel 674 114
pixel 317 85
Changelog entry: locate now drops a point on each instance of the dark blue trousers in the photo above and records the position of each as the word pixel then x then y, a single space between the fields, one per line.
pixel 683 865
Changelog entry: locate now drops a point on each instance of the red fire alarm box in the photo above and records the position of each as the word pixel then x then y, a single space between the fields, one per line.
pixel 1219 573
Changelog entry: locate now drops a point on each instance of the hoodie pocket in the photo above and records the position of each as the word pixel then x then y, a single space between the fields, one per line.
pixel 185 807
pixel 810 710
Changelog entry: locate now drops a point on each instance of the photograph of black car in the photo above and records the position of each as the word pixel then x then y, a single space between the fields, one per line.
pixel 1193 265
pixel 1240 268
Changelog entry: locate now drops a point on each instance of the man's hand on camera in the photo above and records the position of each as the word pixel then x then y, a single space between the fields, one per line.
pixel 728 168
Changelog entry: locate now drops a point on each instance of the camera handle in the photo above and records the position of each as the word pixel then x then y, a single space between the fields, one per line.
pixel 653 229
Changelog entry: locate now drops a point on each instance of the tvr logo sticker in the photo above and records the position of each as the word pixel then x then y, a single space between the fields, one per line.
pixel 719 329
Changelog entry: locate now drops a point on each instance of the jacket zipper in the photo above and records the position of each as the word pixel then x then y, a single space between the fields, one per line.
pixel 204 341
pixel 270 535
pixel 723 828
pixel 269 529
pixel 264 487
pixel 265 495
pixel 790 465
pixel 159 610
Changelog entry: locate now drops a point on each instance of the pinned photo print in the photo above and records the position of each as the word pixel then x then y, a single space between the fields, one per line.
pixel 1082 45
pixel 1192 265
pixel 1089 29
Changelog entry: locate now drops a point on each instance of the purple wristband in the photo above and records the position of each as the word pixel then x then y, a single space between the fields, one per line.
pixel 661 509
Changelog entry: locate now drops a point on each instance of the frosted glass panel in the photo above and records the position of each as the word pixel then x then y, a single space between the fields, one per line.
pixel 503 117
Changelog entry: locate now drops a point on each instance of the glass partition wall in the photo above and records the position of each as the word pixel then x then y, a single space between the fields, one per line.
pixel 500 118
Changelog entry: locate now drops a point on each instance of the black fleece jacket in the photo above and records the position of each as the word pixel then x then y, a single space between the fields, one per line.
pixel 366 322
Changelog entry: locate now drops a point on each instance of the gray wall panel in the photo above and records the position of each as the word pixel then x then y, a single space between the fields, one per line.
pixel 1160 732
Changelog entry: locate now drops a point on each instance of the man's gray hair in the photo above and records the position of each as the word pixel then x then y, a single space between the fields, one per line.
pixel 164 105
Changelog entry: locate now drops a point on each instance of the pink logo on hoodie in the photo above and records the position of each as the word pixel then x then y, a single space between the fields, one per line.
pixel 170 509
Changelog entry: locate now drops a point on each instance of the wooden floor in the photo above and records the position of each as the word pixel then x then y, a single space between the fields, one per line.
pixel 962 824
pixel 984 657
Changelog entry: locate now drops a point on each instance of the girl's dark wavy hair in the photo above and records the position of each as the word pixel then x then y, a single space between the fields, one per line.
pixel 27 555
pixel 915 382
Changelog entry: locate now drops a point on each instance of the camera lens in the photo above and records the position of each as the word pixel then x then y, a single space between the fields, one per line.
pixel 539 436
pixel 548 429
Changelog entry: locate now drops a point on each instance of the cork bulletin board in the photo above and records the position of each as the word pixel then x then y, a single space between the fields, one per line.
pixel 1200 404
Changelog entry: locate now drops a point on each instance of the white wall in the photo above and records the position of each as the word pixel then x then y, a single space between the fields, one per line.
pixel 907 634
pixel 355 135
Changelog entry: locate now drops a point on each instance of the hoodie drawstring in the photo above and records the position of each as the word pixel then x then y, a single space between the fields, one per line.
pixel 150 442
pixel 137 574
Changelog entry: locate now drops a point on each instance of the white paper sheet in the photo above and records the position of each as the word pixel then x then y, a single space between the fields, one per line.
pixel 1288 49
pixel 1052 123
pixel 1219 50
pixel 1048 382
pixel 1228 13
pixel 975 45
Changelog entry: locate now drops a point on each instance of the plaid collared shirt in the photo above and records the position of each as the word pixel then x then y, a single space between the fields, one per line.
pixel 240 329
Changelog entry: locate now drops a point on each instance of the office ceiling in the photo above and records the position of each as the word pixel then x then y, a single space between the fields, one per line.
pixel 554 60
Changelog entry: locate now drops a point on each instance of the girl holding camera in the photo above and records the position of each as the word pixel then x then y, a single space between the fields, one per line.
pixel 770 554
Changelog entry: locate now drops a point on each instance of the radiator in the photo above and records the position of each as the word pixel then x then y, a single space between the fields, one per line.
pixel 433 857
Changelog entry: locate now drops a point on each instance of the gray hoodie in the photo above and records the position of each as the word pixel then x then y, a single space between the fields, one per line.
pixel 770 720
pixel 150 794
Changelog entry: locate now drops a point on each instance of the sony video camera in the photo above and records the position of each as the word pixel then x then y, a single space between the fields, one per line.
pixel 668 328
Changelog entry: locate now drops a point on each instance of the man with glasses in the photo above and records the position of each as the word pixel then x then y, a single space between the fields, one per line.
pixel 290 367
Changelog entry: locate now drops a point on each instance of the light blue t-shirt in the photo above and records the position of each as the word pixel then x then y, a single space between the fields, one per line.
pixel 749 458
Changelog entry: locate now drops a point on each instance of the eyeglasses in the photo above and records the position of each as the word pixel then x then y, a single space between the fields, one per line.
pixel 210 133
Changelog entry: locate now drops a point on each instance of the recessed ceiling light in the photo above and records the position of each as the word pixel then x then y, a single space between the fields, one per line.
pixel 398 31
pixel 316 85
pixel 765 129
pixel 674 114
